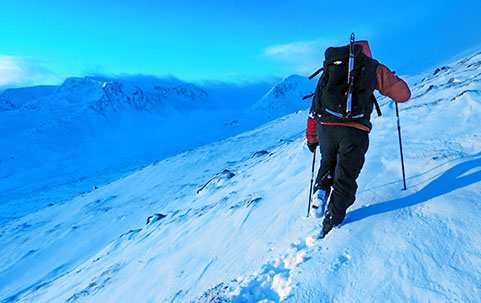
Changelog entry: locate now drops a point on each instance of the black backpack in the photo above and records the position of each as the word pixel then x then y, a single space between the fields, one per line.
pixel 331 95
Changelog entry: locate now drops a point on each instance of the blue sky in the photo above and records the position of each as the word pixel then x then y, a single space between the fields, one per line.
pixel 234 41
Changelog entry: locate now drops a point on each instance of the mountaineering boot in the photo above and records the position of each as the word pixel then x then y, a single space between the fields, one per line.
pixel 319 202
pixel 327 225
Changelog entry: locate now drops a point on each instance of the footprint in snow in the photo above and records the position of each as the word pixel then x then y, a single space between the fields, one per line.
pixel 273 281
pixel 341 260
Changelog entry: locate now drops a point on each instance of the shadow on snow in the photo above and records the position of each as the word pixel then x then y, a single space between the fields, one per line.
pixel 452 179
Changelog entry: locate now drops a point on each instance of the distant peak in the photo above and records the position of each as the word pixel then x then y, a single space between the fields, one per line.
pixel 75 81
pixel 294 77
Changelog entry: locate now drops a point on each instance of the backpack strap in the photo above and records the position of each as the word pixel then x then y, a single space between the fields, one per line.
pixel 310 78
pixel 316 73
pixel 308 96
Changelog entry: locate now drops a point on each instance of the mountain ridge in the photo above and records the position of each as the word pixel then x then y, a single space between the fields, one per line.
pixel 103 96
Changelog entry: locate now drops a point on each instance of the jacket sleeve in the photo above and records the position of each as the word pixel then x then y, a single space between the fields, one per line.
pixel 311 132
pixel 390 85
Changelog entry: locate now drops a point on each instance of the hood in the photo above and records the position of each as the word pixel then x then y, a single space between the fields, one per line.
pixel 365 47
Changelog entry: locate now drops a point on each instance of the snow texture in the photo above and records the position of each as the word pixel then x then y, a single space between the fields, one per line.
pixel 226 221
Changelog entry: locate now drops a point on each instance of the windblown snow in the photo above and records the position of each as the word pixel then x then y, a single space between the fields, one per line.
pixel 225 222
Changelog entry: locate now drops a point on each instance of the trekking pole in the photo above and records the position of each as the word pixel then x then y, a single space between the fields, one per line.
pixel 400 145
pixel 312 181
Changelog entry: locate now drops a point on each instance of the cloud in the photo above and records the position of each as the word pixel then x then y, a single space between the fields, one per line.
pixel 22 71
pixel 293 49
pixel 300 57
pixel 235 94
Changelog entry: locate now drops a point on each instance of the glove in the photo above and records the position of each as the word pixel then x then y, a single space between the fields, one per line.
pixel 312 146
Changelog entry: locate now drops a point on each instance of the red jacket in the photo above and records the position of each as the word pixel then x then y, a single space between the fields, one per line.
pixel 388 84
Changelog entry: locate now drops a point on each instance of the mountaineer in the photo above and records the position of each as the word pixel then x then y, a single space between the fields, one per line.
pixel 339 123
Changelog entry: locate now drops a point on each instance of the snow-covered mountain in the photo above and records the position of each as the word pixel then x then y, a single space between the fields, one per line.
pixel 225 222
pixel 104 96
pixel 181 96
pixel 284 98
pixel 12 99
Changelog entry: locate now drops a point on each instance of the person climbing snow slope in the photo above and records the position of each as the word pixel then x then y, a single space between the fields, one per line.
pixel 342 131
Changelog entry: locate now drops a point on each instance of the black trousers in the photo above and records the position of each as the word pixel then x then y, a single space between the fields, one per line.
pixel 343 149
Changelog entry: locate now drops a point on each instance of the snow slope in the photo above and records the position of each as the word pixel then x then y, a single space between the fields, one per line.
pixel 58 141
pixel 229 220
